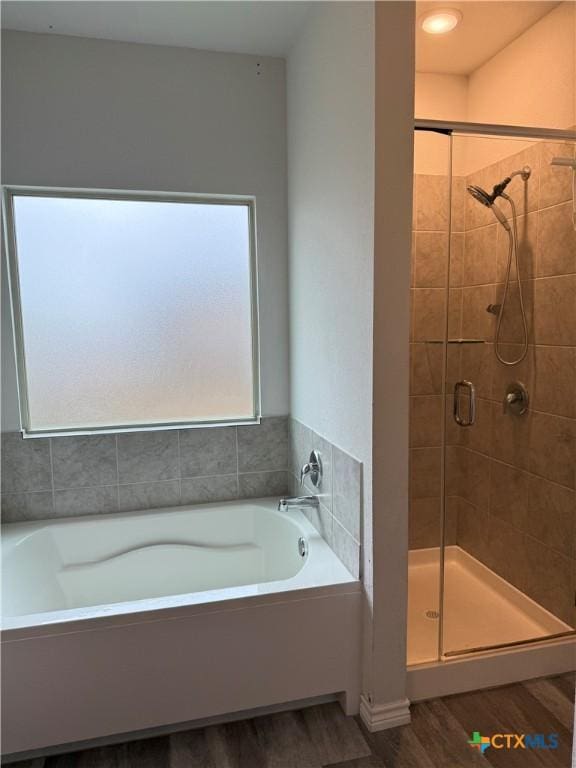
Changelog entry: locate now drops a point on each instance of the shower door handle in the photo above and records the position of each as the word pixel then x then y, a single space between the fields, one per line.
pixel 464 421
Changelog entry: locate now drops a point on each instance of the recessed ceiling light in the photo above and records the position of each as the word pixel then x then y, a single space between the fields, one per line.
pixel 440 20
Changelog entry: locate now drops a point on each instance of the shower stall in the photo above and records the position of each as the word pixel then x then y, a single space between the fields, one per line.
pixel 492 526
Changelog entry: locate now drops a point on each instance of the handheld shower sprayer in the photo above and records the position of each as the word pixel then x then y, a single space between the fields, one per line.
pixel 483 197
pixel 488 200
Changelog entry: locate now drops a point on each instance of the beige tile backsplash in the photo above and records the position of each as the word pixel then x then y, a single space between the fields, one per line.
pixel 510 481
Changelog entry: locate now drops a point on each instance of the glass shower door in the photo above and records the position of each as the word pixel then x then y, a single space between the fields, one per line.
pixel 429 283
pixel 509 483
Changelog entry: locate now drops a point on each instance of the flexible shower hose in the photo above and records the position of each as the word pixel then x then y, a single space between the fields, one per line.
pixel 512 251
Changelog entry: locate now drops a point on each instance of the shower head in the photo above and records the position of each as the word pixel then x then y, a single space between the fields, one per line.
pixel 483 197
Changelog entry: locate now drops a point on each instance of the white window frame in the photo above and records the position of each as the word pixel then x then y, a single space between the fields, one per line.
pixel 9 192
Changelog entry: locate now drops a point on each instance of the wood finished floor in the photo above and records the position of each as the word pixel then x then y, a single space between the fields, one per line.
pixel 322 736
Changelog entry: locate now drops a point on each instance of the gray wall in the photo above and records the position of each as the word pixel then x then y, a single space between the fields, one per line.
pixel 80 112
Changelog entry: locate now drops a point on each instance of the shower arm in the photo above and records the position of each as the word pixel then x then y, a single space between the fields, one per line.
pixel 498 189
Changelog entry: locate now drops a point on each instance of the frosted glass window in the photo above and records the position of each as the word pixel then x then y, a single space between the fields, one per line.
pixel 133 312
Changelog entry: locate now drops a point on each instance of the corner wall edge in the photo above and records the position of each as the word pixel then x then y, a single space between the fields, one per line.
pixel 380 717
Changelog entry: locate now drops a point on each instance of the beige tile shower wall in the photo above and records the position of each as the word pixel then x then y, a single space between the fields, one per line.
pixel 515 477
pixel 428 327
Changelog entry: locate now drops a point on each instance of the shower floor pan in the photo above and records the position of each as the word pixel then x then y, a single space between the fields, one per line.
pixel 481 609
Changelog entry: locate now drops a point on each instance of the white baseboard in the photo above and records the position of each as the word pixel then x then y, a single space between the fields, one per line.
pixel 380 717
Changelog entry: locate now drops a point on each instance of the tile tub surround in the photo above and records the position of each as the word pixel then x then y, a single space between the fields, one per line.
pixel 338 518
pixel 511 481
pixel 69 476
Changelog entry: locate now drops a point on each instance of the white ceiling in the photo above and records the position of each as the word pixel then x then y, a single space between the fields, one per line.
pixel 265 28
pixel 485 29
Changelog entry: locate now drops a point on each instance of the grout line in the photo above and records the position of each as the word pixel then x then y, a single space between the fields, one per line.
pixel 179 467
pixel 337 447
pixel 432 394
pixel 209 477
pixel 261 472
pixel 52 474
pixel 490 400
pixel 331 480
pixel 354 539
pixel 110 485
pixel 494 284
pixel 87 487
pixel 117 472
pixel 440 231
pixel 237 463
pixel 515 467
pixel 141 482
pixel 537 255
pixel 554 205
pixel 508 524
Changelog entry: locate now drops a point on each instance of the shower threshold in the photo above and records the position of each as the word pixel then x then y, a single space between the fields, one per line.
pixel 481 609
